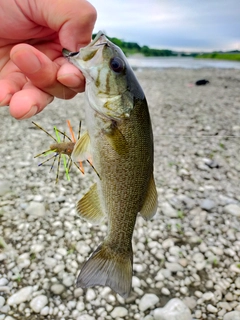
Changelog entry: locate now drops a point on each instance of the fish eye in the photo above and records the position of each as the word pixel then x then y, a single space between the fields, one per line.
pixel 117 64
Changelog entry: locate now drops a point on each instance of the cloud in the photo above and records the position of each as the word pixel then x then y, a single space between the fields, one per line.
pixel 207 25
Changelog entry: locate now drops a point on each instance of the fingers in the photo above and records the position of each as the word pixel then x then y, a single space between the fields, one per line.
pixel 9 85
pixel 73 20
pixel 28 102
pixel 44 73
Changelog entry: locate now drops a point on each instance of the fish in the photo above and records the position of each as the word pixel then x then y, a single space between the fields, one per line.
pixel 119 139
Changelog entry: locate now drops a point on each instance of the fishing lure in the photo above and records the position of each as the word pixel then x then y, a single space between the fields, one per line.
pixel 61 149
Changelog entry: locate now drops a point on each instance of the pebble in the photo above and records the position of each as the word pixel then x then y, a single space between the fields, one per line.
pixel 165 291
pixel 5 187
pixel 3 256
pixel 211 308
pixel 36 209
pixel 235 267
pixel 20 296
pixel 2 301
pixel 174 266
pixel 237 283
pixel 3 282
pixel 57 288
pixel 232 209
pixel 148 301
pixel 175 309
pixel 38 303
pixel 168 210
pixel 85 317
pixel 90 295
pixel 233 315
pixel 119 312
pixel 207 204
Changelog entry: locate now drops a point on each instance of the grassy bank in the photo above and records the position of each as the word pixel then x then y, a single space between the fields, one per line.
pixel 221 56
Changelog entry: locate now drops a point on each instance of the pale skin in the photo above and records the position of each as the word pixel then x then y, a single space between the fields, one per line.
pixel 32 35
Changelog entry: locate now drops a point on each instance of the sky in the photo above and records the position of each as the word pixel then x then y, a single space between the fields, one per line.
pixel 182 25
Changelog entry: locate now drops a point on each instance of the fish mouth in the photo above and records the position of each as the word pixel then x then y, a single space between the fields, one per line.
pixel 99 40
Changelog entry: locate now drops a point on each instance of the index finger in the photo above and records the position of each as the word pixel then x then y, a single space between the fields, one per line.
pixel 72 19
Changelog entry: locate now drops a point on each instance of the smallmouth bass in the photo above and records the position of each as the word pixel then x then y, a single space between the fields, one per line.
pixel 119 138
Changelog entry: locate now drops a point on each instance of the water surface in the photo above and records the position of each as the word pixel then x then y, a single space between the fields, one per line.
pixel 181 62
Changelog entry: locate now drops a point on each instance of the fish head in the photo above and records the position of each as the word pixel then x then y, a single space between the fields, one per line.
pixel 111 86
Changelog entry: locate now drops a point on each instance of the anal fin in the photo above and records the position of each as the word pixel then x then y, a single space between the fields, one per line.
pixel 89 207
pixel 149 207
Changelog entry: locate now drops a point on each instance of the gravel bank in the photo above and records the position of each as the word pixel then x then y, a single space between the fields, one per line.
pixel 187 258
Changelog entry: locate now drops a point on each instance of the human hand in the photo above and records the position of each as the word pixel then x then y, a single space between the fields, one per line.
pixel 32 35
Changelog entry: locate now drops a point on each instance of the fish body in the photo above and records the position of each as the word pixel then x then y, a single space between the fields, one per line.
pixel 120 141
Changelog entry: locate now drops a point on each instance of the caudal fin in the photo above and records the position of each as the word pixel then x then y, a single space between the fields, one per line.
pixel 107 267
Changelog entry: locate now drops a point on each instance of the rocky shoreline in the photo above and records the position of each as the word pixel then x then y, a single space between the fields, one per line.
pixel 187 258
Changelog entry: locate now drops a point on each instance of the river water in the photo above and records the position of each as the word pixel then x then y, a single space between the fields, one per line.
pixel 181 62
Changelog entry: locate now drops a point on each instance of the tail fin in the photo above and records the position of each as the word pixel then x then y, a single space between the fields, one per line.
pixel 107 267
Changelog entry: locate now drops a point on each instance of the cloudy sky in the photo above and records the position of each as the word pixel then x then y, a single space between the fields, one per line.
pixel 188 25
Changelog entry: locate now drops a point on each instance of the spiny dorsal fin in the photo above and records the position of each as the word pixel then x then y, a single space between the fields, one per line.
pixel 89 207
pixel 106 267
pixel 81 149
pixel 149 207
pixel 117 141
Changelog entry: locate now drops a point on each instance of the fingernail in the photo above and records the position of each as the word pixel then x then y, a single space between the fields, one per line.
pixel 6 100
pixel 30 113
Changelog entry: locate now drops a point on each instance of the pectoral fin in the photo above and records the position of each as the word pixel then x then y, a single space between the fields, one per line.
pixel 81 149
pixel 117 141
pixel 149 207
pixel 89 207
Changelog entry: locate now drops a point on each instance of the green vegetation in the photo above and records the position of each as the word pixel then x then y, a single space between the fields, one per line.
pixel 130 48
pixel 220 55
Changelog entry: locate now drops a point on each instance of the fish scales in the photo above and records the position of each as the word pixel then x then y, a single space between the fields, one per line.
pixel 120 140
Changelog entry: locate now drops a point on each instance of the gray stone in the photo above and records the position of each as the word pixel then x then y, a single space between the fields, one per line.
pixel 5 187
pixel 168 210
pixel 36 209
pixel 148 301
pixel 2 302
pixel 232 209
pixel 174 266
pixel 175 309
pixel 208 204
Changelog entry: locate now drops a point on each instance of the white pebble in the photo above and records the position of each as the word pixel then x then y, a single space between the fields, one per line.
pixel 20 296
pixel 148 301
pixel 3 282
pixel 80 306
pixel 90 295
pixel 174 309
pixel 2 302
pixel 57 288
pixel 119 312
pixel 36 209
pixel 207 296
pixel 233 315
pixel 38 303
pixel 232 209
pixel 211 308
pixel 165 291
